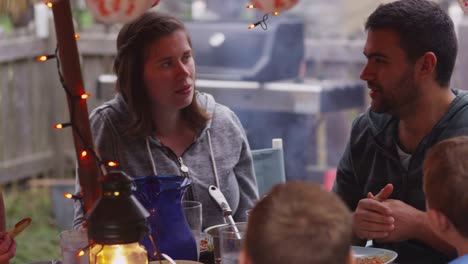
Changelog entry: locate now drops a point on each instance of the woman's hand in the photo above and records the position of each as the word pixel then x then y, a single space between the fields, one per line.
pixel 7 247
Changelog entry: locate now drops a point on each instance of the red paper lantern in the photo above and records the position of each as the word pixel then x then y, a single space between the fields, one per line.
pixel 270 6
pixel 113 11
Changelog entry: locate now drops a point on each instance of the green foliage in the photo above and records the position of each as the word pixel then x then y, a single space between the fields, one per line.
pixel 40 241
pixel 83 18
pixel 5 23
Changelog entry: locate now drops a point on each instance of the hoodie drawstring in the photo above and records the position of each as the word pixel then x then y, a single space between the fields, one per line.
pixel 213 161
pixel 153 164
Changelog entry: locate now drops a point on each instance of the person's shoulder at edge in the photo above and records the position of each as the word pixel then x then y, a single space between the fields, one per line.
pixel 377 123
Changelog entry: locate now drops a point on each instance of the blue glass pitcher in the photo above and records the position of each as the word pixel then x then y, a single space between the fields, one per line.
pixel 162 196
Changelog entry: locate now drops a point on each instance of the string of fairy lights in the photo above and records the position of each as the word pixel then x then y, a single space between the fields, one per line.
pixel 262 22
pixel 74 98
pixel 84 154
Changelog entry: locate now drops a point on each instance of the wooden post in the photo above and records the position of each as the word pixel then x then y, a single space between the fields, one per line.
pixel 88 169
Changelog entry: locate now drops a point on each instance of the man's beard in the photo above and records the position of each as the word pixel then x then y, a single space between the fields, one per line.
pixel 392 105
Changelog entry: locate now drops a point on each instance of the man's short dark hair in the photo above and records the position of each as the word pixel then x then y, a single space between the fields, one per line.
pixel 423 27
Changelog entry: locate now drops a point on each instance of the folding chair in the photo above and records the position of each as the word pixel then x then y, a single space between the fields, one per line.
pixel 269 166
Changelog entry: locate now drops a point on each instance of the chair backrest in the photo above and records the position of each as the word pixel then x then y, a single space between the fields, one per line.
pixel 269 166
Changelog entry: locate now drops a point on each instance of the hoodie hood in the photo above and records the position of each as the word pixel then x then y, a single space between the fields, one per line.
pixel 120 109
pixel 119 105
pixel 207 102
pixel 383 126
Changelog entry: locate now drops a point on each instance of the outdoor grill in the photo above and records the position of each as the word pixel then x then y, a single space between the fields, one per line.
pixel 229 51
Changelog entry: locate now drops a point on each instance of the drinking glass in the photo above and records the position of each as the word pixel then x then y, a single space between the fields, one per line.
pixel 193 215
pixel 231 240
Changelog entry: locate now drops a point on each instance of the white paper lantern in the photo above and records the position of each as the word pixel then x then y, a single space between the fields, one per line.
pixel 464 5
pixel 112 11
pixel 270 6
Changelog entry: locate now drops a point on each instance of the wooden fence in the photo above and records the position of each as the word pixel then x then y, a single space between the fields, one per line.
pixel 32 101
pixel 29 104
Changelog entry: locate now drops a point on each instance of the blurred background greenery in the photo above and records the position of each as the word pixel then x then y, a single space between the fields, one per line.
pixel 5 23
pixel 40 241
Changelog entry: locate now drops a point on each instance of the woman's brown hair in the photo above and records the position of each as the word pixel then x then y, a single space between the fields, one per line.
pixel 132 41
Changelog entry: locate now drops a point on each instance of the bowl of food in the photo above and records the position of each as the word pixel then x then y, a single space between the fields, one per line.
pixel 370 255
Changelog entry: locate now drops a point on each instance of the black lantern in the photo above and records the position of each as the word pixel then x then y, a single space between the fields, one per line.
pixel 117 223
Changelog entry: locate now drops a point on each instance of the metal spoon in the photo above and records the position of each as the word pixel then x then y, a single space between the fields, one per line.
pixel 218 196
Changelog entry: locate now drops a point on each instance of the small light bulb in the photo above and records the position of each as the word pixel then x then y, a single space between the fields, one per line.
pixel 276 13
pixel 49 4
pixel 45 57
pixel 250 6
pixel 116 193
pixel 251 26
pixel 84 153
pixel 112 164
pixel 85 96
pixel 61 125
pixel 77 36
pixel 68 195
pixel 42 58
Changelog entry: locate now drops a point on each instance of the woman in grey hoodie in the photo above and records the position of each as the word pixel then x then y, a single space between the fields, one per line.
pixel 158 124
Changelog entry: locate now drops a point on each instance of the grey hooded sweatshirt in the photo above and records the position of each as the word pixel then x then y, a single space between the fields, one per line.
pixel 371 160
pixel 220 156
